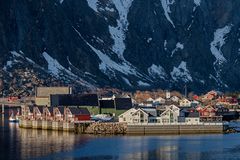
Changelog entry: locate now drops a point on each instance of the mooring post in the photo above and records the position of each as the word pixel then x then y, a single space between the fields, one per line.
pixel 2 108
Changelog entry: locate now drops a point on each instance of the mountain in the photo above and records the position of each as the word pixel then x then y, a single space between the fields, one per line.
pixel 126 44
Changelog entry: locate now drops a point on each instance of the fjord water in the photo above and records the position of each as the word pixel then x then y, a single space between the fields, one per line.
pixel 19 143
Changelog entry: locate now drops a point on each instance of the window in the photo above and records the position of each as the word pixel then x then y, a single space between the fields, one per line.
pixel 124 119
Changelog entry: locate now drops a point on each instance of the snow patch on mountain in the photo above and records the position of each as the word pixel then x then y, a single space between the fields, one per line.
pixel 8 65
pixel 54 66
pixel 181 73
pixel 157 72
pixel 165 45
pixel 178 47
pixel 118 32
pixel 197 2
pixel 56 69
pixel 166 7
pixel 127 81
pixel 218 42
pixel 108 64
pixel 93 4
pixel 143 84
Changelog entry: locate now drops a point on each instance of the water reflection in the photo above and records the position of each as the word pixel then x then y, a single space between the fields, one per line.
pixel 27 143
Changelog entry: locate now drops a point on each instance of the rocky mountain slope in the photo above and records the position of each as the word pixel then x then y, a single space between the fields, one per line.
pixel 127 44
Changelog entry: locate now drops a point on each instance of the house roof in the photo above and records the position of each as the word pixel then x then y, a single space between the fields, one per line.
pixel 40 108
pixel 191 114
pixel 79 111
pixel 30 108
pixel 150 111
pixel 61 110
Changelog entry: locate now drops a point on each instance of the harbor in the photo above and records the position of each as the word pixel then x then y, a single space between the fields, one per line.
pixel 58 109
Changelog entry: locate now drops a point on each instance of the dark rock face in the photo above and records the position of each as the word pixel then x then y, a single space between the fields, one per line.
pixel 128 44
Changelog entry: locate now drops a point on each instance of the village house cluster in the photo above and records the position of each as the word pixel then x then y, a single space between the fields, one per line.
pixel 213 107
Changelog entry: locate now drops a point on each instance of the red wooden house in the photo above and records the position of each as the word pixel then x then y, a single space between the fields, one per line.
pixel 73 114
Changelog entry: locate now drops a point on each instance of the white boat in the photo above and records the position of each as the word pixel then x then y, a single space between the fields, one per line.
pixel 14 118
pixel 101 117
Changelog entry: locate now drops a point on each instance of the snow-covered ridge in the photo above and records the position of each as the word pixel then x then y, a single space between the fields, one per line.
pixel 181 73
pixel 166 7
pixel 157 71
pixel 218 42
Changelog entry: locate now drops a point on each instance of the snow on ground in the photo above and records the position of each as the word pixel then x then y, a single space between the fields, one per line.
pixel 143 84
pixel 197 2
pixel 166 7
pixel 218 42
pixel 165 45
pixel 14 53
pixel 61 1
pixel 181 73
pixel 127 81
pixel 108 64
pixel 178 47
pixel 149 40
pixel 118 32
pixel 93 4
pixel 8 65
pixel 157 71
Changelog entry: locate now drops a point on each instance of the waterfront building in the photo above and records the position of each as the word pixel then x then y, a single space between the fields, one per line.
pixel 42 94
pixel 37 112
pixel 134 116
pixel 47 113
pixel 73 114
pixel 27 112
pixel 58 113
pixel 192 118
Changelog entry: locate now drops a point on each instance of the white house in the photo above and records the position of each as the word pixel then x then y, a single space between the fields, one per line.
pixel 175 99
pixel 185 103
pixel 192 118
pixel 134 116
pixel 150 100
pixel 159 100
pixel 170 115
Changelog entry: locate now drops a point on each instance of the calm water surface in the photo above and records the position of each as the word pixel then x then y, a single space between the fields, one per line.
pixel 19 143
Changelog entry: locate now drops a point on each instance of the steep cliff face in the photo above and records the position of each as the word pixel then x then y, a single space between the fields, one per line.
pixel 128 44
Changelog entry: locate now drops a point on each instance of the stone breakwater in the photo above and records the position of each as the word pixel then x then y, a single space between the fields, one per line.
pixel 107 128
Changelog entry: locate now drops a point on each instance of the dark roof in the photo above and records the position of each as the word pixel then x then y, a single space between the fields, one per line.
pixel 40 108
pixel 61 109
pixel 79 111
pixel 50 109
pixel 31 109
pixel 191 114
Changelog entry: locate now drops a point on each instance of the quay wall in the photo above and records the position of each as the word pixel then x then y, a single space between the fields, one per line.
pixel 124 128
pixel 175 129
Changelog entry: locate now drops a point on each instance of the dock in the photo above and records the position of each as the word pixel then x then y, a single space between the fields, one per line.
pixel 116 128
